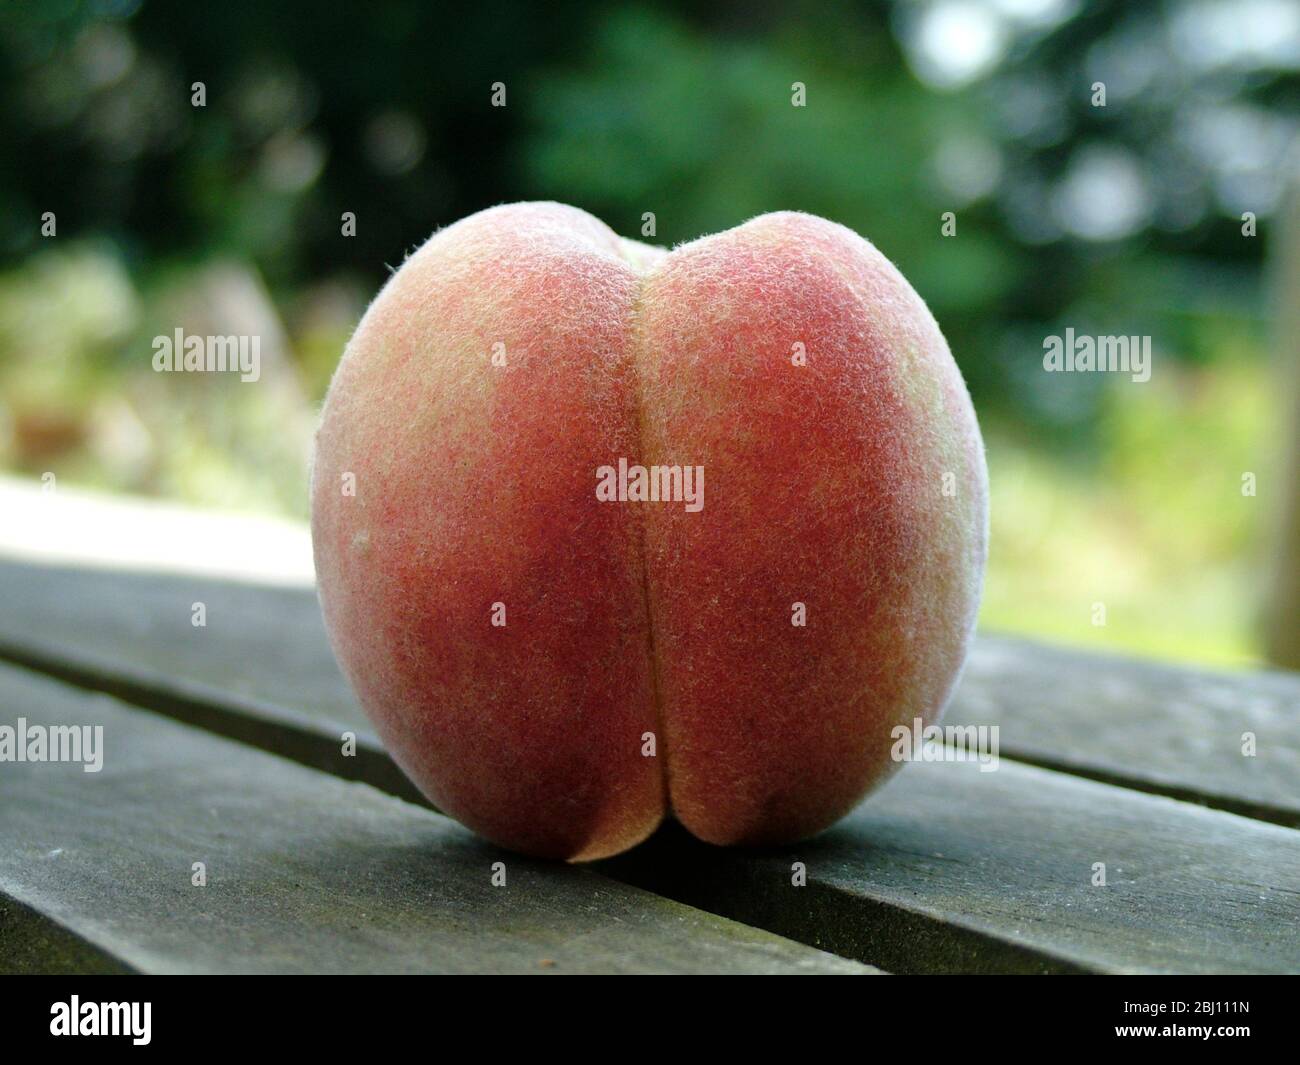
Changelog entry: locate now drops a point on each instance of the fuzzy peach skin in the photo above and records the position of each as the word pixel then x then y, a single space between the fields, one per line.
pixel 851 481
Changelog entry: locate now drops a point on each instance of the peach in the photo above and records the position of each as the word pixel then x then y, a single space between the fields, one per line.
pixel 558 662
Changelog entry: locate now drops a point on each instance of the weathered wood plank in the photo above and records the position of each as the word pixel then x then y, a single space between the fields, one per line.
pixel 1165 729
pixel 949 868
pixel 260 670
pixel 305 872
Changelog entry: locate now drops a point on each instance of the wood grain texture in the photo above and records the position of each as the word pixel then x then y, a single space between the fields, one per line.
pixel 1165 729
pixel 305 872
pixel 951 869
pixel 947 869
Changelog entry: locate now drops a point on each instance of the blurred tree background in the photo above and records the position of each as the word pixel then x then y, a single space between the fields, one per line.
pixel 1119 219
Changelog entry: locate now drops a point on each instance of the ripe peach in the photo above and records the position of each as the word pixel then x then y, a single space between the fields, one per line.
pixel 558 669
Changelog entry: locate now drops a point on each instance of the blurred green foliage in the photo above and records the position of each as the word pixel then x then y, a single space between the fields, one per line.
pixel 1122 219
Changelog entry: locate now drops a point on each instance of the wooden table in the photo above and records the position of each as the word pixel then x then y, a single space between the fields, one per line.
pixel 223 745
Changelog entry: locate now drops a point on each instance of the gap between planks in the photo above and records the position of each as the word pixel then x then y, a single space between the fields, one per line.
pixel 886 932
pixel 879 929
pixel 304 872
